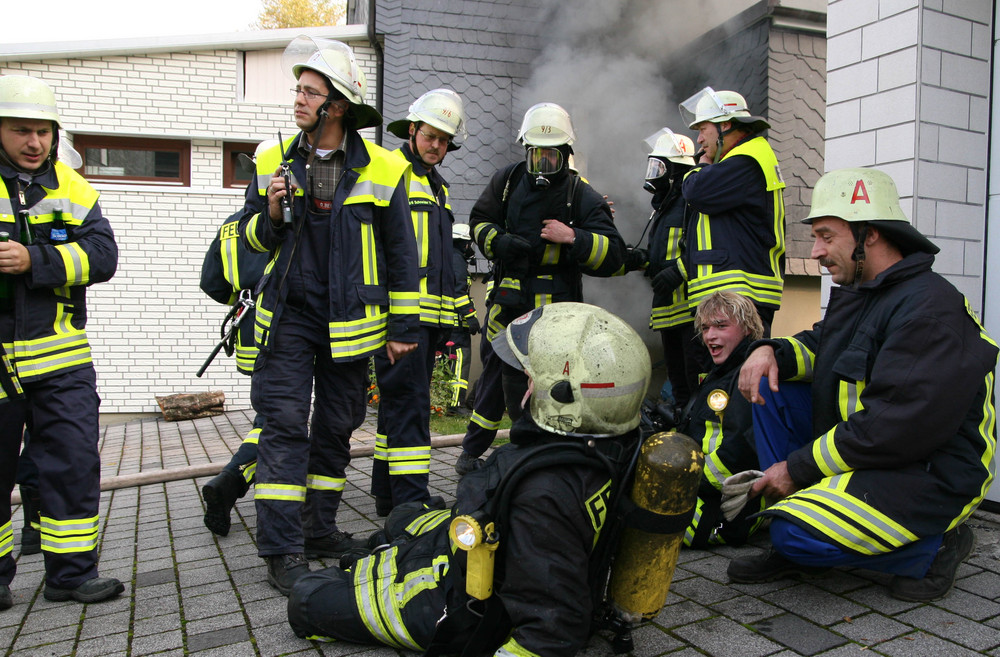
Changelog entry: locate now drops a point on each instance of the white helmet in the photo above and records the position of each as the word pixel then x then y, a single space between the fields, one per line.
pixel 335 61
pixel 546 124
pixel 676 148
pixel 460 232
pixel 590 369
pixel 25 97
pixel 866 195
pixel 718 107
pixel 438 108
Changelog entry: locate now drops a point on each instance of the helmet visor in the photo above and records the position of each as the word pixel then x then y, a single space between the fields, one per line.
pixel 544 161
pixel 655 168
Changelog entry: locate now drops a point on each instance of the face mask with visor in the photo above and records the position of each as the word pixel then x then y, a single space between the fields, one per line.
pixel 544 161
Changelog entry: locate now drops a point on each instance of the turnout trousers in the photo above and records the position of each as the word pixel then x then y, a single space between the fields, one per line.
pixel 782 425
pixel 488 405
pixel 301 467
pixel 61 414
pixel 402 461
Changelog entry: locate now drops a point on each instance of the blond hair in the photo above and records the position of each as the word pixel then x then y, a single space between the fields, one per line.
pixel 736 307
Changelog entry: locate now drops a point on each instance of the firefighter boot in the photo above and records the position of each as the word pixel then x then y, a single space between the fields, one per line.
pixel 220 495
pixel 31 537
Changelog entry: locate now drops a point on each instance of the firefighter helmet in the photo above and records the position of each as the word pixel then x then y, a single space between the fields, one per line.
pixel 718 107
pixel 460 232
pixel 676 148
pixel 25 97
pixel 866 195
pixel 438 108
pixel 590 369
pixel 335 61
pixel 546 125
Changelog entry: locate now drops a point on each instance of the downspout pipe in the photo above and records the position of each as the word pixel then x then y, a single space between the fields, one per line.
pixel 379 65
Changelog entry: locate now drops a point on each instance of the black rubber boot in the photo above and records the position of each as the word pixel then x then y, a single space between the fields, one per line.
pixel 31 504
pixel 220 496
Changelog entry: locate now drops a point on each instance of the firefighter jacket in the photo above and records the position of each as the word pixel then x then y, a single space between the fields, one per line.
pixel 513 203
pixel 736 237
pixel 229 267
pixel 669 217
pixel 44 333
pixel 464 307
pixel 727 439
pixel 430 210
pixel 542 602
pixel 903 412
pixel 372 278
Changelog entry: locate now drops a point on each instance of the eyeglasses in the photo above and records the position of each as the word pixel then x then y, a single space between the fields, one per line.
pixel 444 140
pixel 310 95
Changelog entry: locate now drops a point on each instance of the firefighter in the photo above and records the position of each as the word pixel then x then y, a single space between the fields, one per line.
pixel 736 238
pixel 672 314
pixel 458 346
pixel 341 285
pixel 432 128
pixel 719 418
pixel 546 495
pixel 543 227
pixel 59 243
pixel 878 462
pixel 228 272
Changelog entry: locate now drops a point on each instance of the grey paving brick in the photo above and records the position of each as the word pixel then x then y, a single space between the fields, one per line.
pixel 216 638
pixel 703 590
pixel 878 598
pixel 798 634
pixel 985 584
pixel 969 605
pixel 746 609
pixel 871 628
pixel 950 626
pixel 722 637
pixel 648 641
pixel 207 606
pixel 234 619
pixel 814 604
pixel 165 622
pixel 96 626
pixel 100 646
pixel 153 577
pixel 921 644
pixel 158 642
pixel 682 613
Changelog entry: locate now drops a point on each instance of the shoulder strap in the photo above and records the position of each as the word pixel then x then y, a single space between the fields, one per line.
pixel 513 177
pixel 572 198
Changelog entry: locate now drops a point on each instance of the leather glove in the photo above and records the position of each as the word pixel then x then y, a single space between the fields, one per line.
pixel 473 323
pixel 509 247
pixel 736 492
pixel 636 259
pixel 668 280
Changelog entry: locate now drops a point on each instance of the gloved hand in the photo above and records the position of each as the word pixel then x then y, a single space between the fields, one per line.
pixel 473 323
pixel 668 279
pixel 636 259
pixel 736 492
pixel 509 246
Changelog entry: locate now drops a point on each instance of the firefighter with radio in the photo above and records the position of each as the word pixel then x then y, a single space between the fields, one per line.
pixel 56 242
pixel 515 568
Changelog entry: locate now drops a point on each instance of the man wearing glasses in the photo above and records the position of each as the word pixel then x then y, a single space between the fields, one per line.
pixel 342 285
pixel 403 440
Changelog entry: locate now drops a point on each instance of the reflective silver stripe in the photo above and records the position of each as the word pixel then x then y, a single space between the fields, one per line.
pixel 861 512
pixel 369 593
pixel 320 482
pixel 6 207
pixel 388 603
pixel 427 521
pixel 35 366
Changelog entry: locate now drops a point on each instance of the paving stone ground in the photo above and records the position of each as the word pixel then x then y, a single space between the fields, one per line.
pixel 189 592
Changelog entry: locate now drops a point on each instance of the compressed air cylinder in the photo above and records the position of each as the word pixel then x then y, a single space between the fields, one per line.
pixel 666 483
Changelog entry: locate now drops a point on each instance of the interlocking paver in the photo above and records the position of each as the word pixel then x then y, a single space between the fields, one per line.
pixel 189 592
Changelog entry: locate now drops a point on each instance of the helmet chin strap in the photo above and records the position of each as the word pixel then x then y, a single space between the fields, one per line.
pixel 320 125
pixel 860 233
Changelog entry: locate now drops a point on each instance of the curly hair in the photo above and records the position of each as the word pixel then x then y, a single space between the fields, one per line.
pixel 734 306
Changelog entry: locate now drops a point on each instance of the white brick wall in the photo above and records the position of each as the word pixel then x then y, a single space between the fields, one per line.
pixel 908 84
pixel 151 327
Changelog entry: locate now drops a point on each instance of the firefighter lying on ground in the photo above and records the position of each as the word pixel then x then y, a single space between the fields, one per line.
pixel 880 459
pixel 547 496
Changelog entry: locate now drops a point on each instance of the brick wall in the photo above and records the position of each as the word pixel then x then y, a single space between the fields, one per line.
pixel 908 93
pixel 151 327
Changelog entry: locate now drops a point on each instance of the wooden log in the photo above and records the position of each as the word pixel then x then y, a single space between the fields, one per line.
pixel 189 406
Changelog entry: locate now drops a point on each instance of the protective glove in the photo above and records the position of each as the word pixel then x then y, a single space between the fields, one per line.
pixel 668 279
pixel 636 259
pixel 473 323
pixel 509 246
pixel 736 492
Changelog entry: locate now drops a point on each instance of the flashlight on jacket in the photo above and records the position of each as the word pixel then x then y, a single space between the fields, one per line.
pixel 480 542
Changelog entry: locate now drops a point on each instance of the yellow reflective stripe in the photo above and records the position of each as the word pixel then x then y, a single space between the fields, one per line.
pixel 695 520
pixel 261 324
pixel 381 447
pixel 513 649
pixel 249 471
pixel 422 579
pixel 409 460
pixel 376 600
pixel 599 248
pixel 77 263
pixel 489 425
pixel 229 240
pixel 486 240
pixel 420 220
pixel 252 436
pixel 251 234
pixel 404 303
pixel 762 289
pixel 988 432
pixel 321 482
pixel 427 521
pixel 778 229
pixel 369 257
pixel 280 492
pixel 31 367
pixel 65 536
pixel 804 360
pixel 368 191
pixel 6 539
pixel 715 470
pixel 357 327
pixel 550 255
pixel 676 314
pixel 826 455
pixel 542 300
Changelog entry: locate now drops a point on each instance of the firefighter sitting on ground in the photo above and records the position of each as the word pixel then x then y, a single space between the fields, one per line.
pixel 549 493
